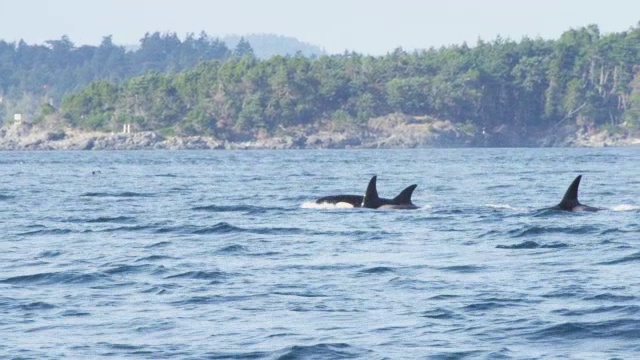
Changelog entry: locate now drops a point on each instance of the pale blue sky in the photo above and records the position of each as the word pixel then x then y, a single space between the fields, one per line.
pixel 366 26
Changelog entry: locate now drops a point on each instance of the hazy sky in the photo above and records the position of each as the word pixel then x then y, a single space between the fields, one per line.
pixel 366 26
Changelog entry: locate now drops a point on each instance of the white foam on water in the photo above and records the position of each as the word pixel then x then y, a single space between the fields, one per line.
pixel 505 207
pixel 325 206
pixel 625 207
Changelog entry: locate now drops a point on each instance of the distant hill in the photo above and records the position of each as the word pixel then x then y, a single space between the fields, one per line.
pixel 267 45
pixel 264 45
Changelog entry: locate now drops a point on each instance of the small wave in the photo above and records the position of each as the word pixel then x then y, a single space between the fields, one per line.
pixel 54 278
pixel 178 189
pixel 232 249
pixel 102 219
pixel 219 228
pixel 226 228
pixel 321 351
pixel 41 328
pixel 231 208
pixel 126 347
pixel 38 305
pixel 449 212
pixel 539 230
pixel 156 290
pixel 566 292
pixel 444 297
pixel 46 232
pixel 440 314
pixel 5 197
pixel 616 230
pixel 158 244
pixel 48 254
pixel 620 309
pixel 629 258
pixel 267 253
pixel 377 270
pixel 154 258
pixel 544 213
pixel 523 245
pixel 212 299
pixel 532 245
pixel 305 294
pixel 471 354
pixel 325 206
pixel 463 268
pixel 618 329
pixel 126 228
pixel 250 355
pixel 107 219
pixel 554 246
pixel 610 297
pixel 127 269
pixel 166 175
pixel 74 313
pixel 124 194
pixel 488 305
pixel 198 275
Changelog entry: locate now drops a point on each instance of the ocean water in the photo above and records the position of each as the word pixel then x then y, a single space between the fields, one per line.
pixel 223 255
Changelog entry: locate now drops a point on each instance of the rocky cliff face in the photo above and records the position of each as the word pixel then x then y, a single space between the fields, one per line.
pixel 392 131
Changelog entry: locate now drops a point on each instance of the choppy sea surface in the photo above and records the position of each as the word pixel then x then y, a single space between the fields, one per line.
pixel 223 255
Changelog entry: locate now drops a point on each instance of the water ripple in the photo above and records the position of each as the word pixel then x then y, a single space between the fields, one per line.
pixel 541 230
pixel 51 278
pixel 532 245
pixel 199 275
pixel 232 208
pixel 123 194
pixel 626 259
pixel 46 232
pixel 628 329
pixel 320 351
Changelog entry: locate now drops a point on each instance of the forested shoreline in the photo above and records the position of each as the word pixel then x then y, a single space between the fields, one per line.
pixel 526 90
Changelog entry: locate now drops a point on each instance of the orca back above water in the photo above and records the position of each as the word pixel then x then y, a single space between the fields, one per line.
pixel 354 200
pixel 403 200
pixel 570 200
pixel 372 200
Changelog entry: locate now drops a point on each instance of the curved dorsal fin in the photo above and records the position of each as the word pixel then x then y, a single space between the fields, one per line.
pixel 405 195
pixel 371 198
pixel 570 199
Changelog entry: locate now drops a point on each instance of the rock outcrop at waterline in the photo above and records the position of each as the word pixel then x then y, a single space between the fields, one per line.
pixel 392 131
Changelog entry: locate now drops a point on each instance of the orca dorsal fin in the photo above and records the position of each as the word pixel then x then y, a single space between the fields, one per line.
pixel 371 198
pixel 570 199
pixel 405 195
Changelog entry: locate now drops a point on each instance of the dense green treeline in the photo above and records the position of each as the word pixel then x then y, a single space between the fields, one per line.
pixel 59 67
pixel 530 86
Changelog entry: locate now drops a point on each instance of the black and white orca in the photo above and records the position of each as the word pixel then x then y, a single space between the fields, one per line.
pixel 371 199
pixel 403 200
pixel 570 200
pixel 353 200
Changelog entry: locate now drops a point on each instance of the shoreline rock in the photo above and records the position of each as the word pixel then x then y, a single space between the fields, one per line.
pixel 392 131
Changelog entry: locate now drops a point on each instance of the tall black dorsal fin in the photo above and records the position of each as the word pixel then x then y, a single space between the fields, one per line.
pixel 371 198
pixel 405 195
pixel 570 199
